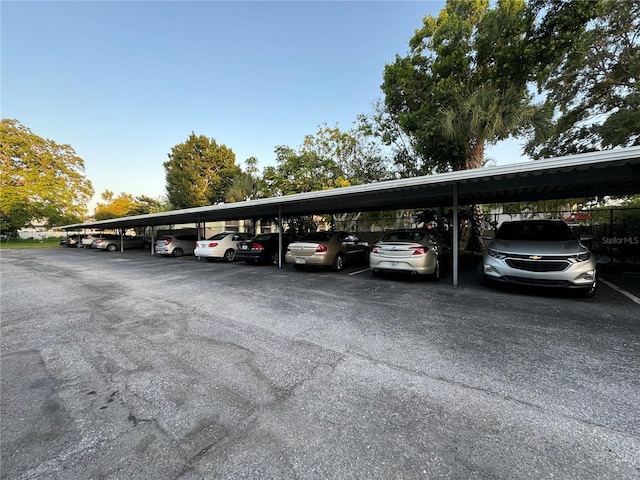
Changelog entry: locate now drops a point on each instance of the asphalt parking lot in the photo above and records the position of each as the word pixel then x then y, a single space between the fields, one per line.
pixel 123 365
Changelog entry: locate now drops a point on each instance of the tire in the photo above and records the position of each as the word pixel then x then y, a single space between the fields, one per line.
pixel 375 274
pixel 338 263
pixel 230 255
pixel 275 259
pixel 112 247
pixel 435 276
pixel 178 252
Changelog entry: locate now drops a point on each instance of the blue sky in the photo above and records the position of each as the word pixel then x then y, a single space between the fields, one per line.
pixel 123 82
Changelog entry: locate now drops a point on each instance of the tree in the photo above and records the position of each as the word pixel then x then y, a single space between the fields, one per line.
pixel 39 180
pixel 198 172
pixel 593 89
pixel 464 83
pixel 329 159
pixel 144 205
pixel 244 185
pixel 125 205
pixel 400 149
pixel 113 207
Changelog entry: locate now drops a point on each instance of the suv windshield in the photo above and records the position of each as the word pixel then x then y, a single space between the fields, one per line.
pixel 539 231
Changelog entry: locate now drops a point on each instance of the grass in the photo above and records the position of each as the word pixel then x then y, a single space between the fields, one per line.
pixel 23 243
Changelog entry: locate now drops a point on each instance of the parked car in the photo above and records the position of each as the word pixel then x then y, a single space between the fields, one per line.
pixel 176 245
pixel 263 249
pixel 540 253
pixel 413 251
pixel 71 241
pixel 221 246
pixel 112 242
pixel 86 241
pixel 327 249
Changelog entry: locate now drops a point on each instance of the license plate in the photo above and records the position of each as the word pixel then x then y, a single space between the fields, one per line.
pixel 393 264
pixel 244 247
pixel 300 260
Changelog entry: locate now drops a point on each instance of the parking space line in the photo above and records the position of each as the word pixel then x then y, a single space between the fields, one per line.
pixel 620 290
pixel 360 271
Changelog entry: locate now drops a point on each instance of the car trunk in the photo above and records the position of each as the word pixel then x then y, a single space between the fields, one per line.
pixel 398 250
pixel 303 249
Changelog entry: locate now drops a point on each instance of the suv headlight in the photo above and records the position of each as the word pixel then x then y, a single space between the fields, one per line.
pixel 496 254
pixel 581 257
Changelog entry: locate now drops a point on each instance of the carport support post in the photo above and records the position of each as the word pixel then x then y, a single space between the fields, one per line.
pixel 122 240
pixel 279 236
pixel 153 242
pixel 455 242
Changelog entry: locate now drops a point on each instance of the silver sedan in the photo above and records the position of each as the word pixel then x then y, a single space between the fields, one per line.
pixel 414 251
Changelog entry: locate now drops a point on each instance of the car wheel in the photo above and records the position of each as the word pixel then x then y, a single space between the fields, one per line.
pixel 111 247
pixel 229 255
pixel 435 276
pixel 177 252
pixel 375 273
pixel 338 263
pixel 275 259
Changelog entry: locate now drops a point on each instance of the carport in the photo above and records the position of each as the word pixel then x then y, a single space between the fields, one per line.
pixel 610 172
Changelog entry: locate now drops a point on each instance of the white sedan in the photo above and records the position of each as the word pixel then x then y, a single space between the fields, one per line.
pixel 220 246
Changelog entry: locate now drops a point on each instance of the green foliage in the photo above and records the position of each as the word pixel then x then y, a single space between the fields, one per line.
pixel 332 158
pixel 39 179
pixel 198 172
pixel 244 185
pixel 593 89
pixel 125 205
pixel 464 83
pixel 144 205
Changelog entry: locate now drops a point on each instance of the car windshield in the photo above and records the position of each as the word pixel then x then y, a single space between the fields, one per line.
pixel 318 237
pixel 403 236
pixel 539 231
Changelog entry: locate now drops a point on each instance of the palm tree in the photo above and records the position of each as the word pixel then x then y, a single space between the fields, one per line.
pixel 487 115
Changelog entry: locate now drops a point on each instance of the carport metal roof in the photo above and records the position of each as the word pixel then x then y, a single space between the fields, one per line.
pixel 610 172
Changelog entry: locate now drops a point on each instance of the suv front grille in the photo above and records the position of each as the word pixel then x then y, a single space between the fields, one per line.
pixel 537 265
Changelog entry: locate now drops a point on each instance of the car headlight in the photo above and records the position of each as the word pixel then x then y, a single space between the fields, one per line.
pixel 496 254
pixel 581 257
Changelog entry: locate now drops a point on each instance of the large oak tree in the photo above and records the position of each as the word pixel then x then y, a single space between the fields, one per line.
pixel 39 180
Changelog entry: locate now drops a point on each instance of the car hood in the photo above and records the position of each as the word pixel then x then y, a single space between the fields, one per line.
pixel 528 247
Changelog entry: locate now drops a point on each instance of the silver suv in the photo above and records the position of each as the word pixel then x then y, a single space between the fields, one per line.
pixel 540 253
pixel 176 245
